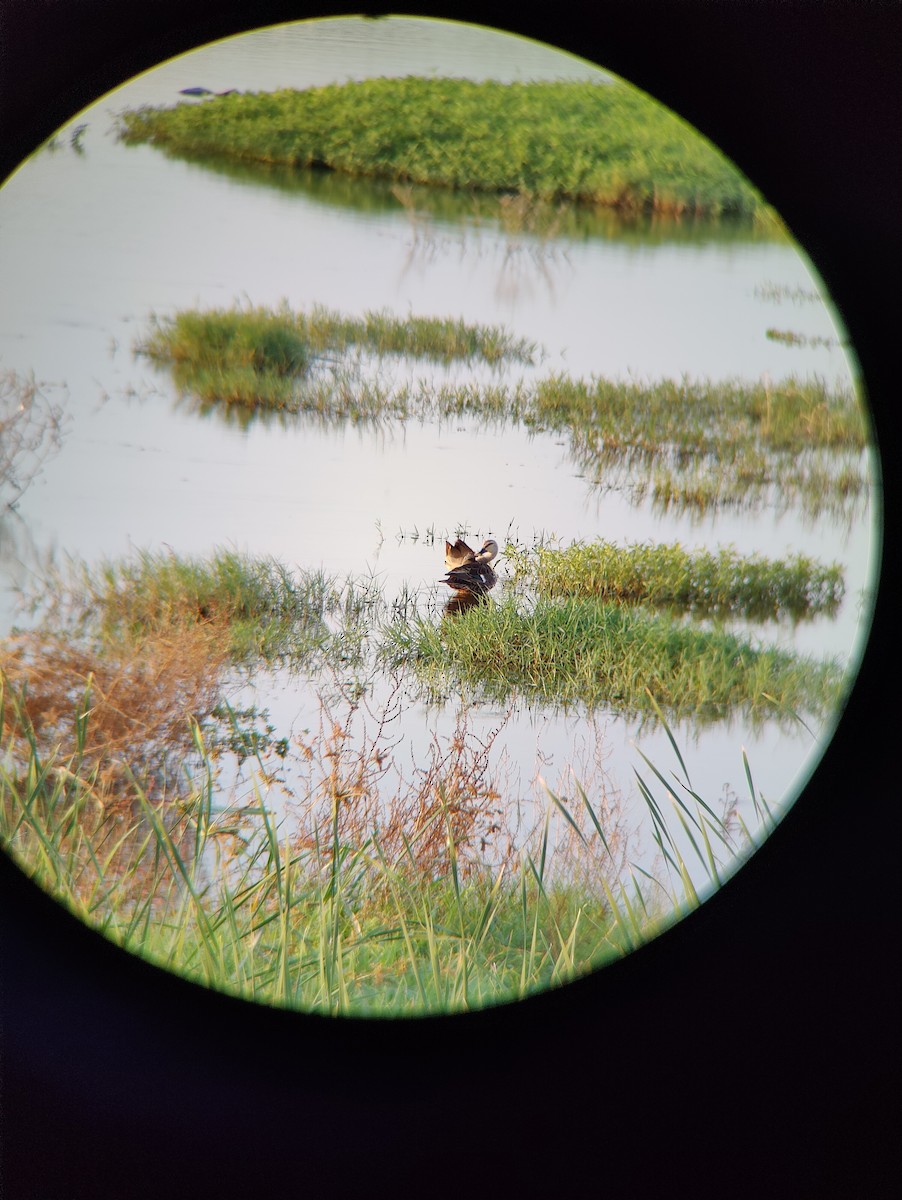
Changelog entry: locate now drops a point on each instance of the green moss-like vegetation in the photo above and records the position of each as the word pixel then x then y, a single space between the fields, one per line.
pixel 668 576
pixel 605 654
pixel 604 144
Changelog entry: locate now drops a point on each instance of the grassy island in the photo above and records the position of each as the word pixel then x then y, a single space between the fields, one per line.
pixel 604 144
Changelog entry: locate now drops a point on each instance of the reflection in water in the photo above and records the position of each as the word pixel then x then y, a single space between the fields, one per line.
pixel 460 210
pixel 31 430
pixel 462 601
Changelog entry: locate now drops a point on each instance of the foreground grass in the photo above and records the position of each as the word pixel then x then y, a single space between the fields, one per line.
pixel 354 920
pixel 722 582
pixel 605 654
pixel 387 894
pixel 623 150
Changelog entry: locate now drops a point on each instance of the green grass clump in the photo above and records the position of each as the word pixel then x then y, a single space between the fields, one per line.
pixel 605 654
pixel 239 357
pixel 668 576
pixel 263 358
pixel 261 609
pixel 604 144
pixel 443 338
pixel 703 444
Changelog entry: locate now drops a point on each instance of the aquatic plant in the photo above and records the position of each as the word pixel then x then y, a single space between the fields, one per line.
pixel 623 149
pixel 257 607
pixel 589 637
pixel 699 443
pixel 276 359
pixel 342 915
pixel 642 420
pixel 444 339
pixel 610 655
pixel 722 582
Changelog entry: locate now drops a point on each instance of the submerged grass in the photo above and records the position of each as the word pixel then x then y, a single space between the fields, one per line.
pixel 623 150
pixel 605 654
pixel 722 582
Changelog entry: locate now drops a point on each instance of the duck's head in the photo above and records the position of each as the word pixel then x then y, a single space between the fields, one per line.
pixel 489 551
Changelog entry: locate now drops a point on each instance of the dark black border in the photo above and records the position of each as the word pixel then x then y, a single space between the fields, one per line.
pixel 122 1081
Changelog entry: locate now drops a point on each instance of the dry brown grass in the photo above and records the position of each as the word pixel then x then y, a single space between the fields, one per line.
pixel 121 711
pixel 355 782
pixel 31 426
pixel 111 731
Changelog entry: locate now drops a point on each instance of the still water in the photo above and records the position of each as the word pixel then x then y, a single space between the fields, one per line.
pixel 95 237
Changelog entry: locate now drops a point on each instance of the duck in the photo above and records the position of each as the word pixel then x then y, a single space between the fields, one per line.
pixel 470 572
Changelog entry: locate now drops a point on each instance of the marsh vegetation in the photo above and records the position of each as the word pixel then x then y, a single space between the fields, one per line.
pixel 243 741
pixel 442 886
pixel 261 358
pixel 391 894
pixel 625 150
pixel 689 444
pixel 395 890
